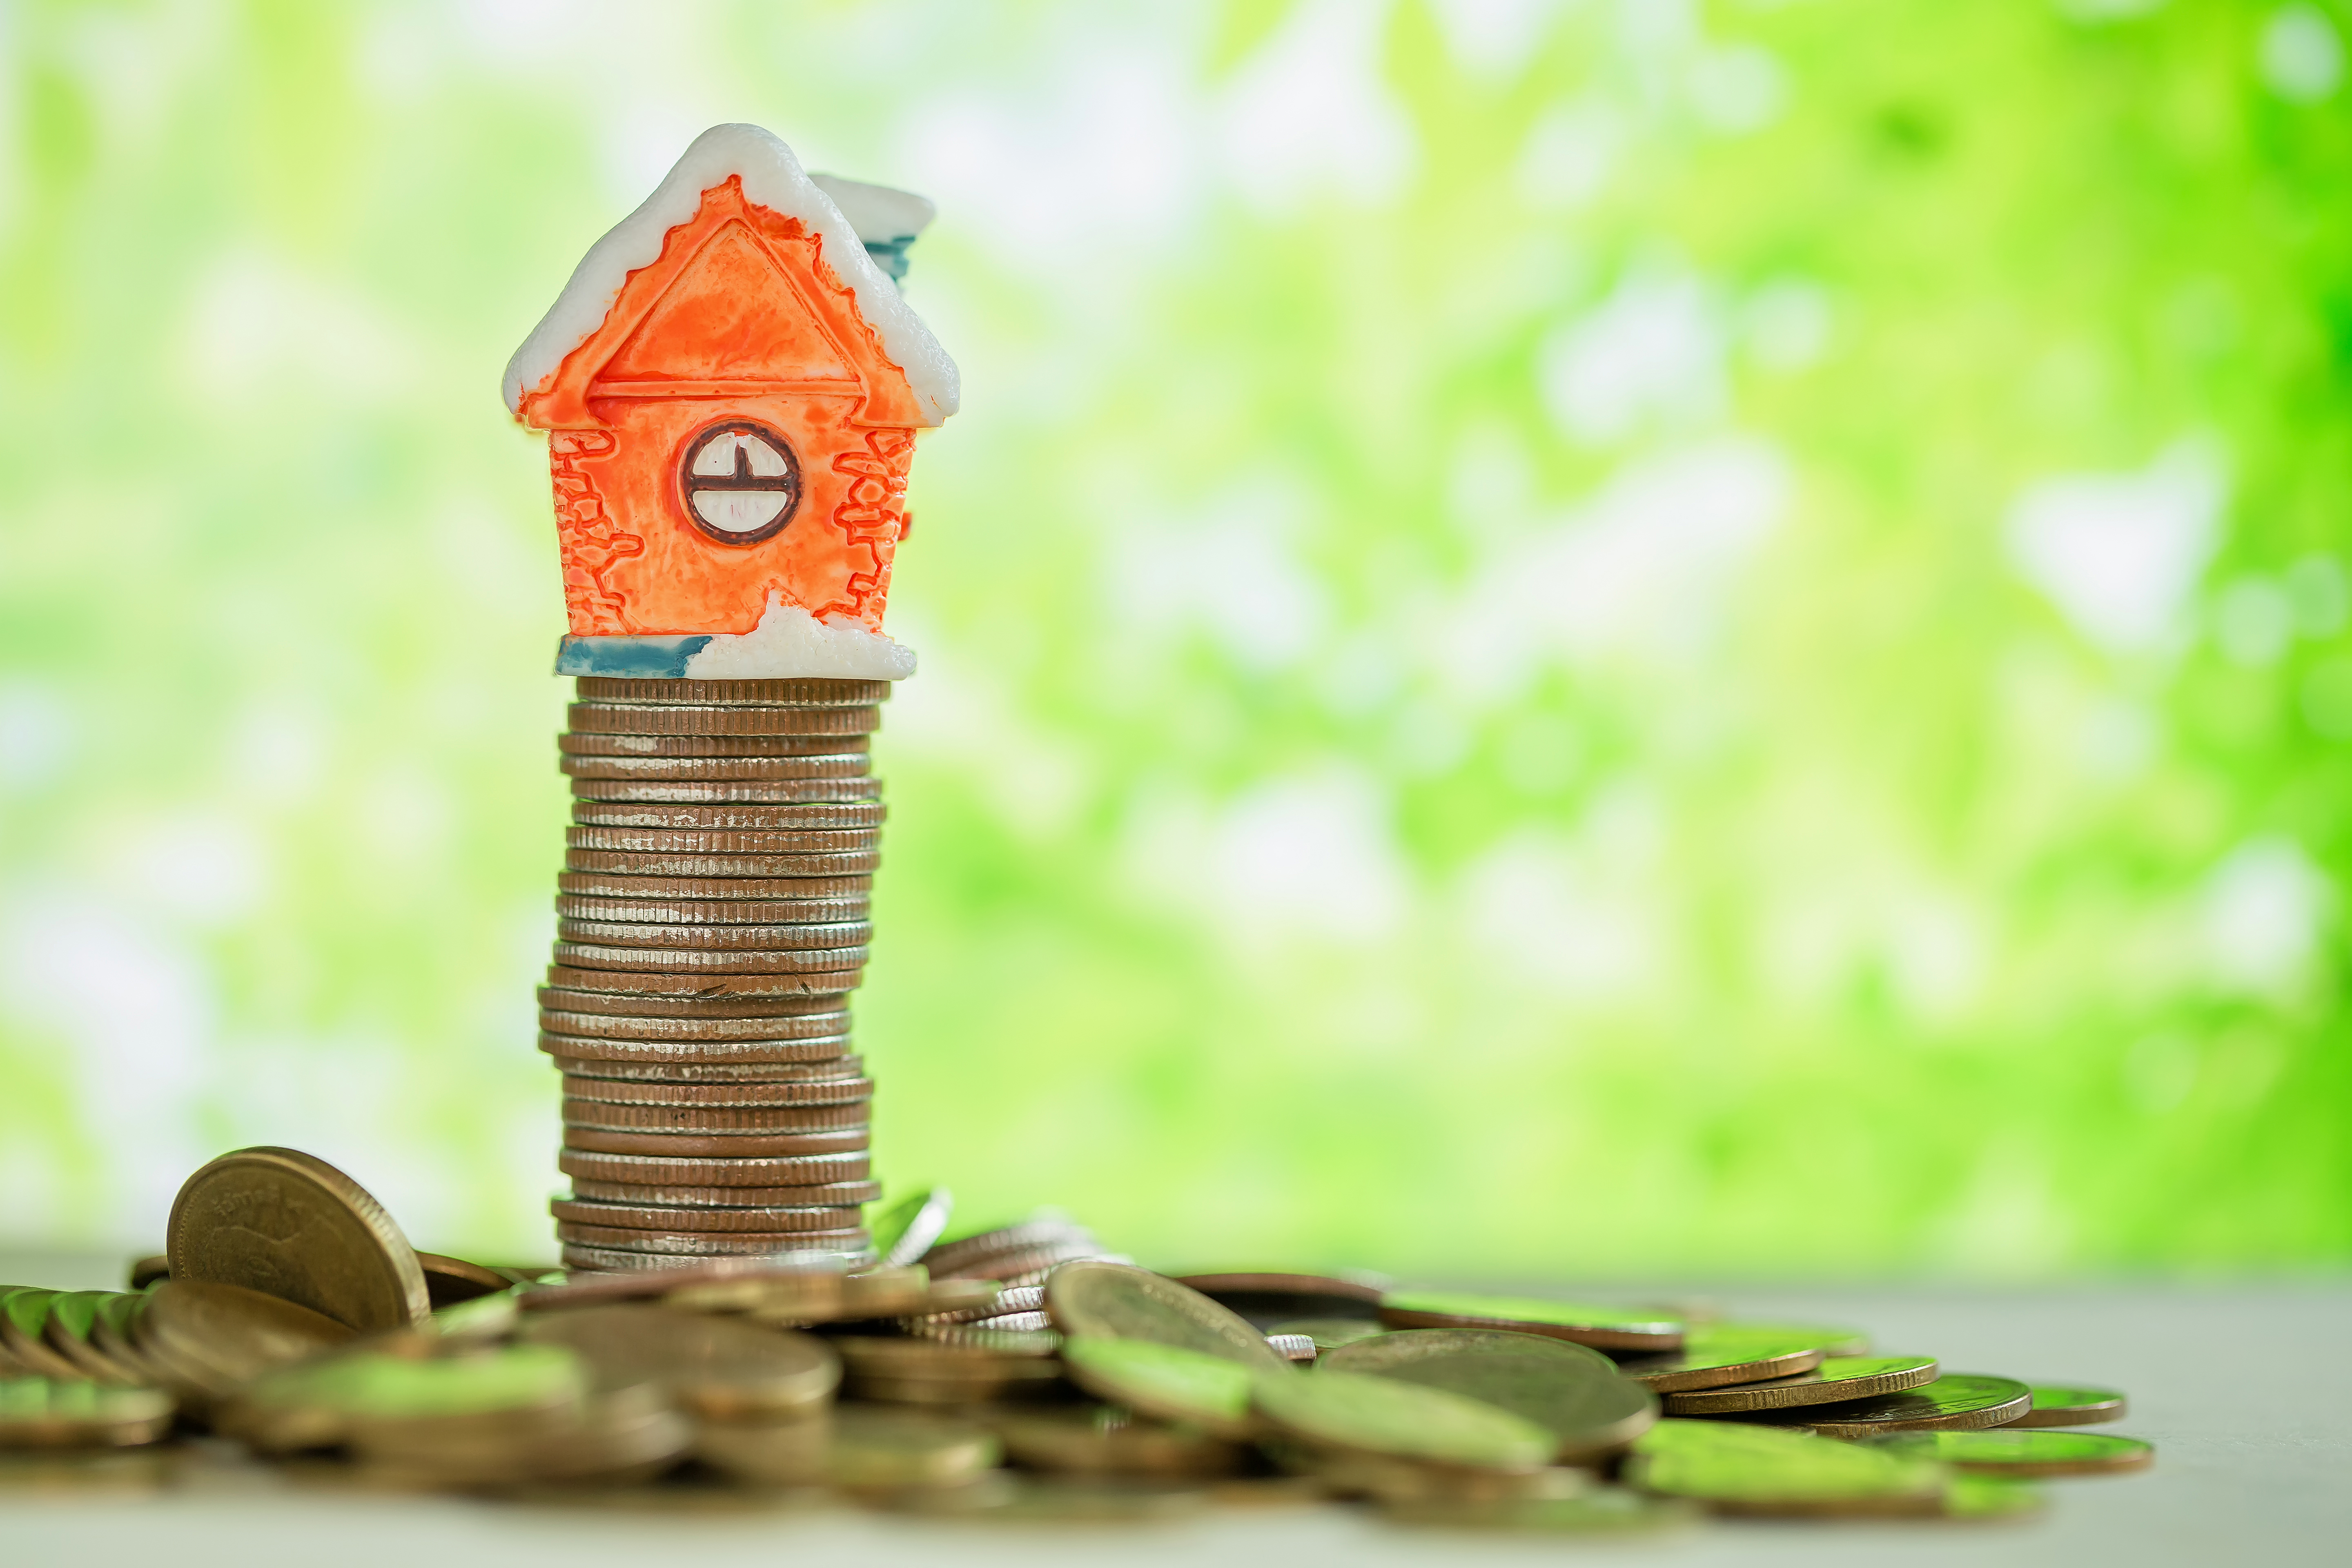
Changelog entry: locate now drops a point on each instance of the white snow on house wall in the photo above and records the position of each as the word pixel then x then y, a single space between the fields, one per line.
pixel 772 177
pixel 791 643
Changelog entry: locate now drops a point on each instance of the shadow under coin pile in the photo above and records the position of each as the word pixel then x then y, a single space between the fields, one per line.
pixel 712 919
pixel 1017 1374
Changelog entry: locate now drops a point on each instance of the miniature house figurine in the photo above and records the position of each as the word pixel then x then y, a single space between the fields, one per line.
pixel 731 386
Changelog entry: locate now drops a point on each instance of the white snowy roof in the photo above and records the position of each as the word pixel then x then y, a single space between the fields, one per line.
pixel 772 177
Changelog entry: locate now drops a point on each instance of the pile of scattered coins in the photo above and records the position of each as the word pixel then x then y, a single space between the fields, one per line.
pixel 712 919
pixel 1017 1374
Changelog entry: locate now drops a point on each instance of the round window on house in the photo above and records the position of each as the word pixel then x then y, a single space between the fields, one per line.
pixel 741 482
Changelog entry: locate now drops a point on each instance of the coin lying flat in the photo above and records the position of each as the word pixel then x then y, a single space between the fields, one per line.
pixel 783 691
pixel 810 1196
pixel 715 1120
pixel 694 914
pixel 609 719
pixel 836 1089
pixel 1169 1381
pixel 1603 1328
pixel 748 1221
pixel 844 763
pixel 727 791
pixel 720 1370
pixel 1116 1300
pixel 617 1260
pixel 291 1225
pixel 702 987
pixel 573 745
pixel 711 960
pixel 1834 1379
pixel 802 933
pixel 1406 1420
pixel 874 1448
pixel 727 816
pixel 1102 1440
pixel 683 864
pixel 789 1452
pixel 714 1003
pixel 1570 1391
pixel 41 1413
pixel 2068 1405
pixel 2009 1451
pixel 719 1076
pixel 734 1146
pixel 1721 1353
pixel 712 889
pixel 1736 1469
pixel 1954 1401
pixel 719 1056
pixel 707 1244
pixel 640 1170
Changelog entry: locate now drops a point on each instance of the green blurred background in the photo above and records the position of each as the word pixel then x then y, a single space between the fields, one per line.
pixel 1559 639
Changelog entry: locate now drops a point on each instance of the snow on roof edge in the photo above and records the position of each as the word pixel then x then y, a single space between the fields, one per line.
pixel 772 177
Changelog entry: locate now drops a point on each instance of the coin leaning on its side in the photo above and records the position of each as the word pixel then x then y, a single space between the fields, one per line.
pixel 291 1225
pixel 1573 1391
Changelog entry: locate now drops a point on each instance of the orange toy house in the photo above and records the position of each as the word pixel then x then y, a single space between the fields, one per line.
pixel 731 386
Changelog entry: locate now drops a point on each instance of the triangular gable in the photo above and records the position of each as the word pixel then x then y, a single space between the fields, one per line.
pixel 739 173
pixel 715 316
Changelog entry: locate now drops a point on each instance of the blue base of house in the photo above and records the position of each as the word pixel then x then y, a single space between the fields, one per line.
pixel 644 658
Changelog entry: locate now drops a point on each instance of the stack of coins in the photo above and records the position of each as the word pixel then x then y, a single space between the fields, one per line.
pixel 712 919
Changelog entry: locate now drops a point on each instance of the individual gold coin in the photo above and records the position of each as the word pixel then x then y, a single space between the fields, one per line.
pixel 748 1221
pixel 876 1448
pixel 113 1336
pixel 721 791
pixel 1570 1391
pixel 1603 1328
pixel 1389 1479
pixel 1386 1415
pixel 451 1280
pixel 622 1077
pixel 729 1146
pixel 214 1336
pixel 145 1271
pixel 717 1369
pixel 2070 1405
pixel 641 1170
pixel 797 691
pixel 1836 1380
pixel 1116 1300
pixel 798 934
pixel 699 960
pixel 1717 1354
pixel 784 1452
pixel 823 815
pixel 42 1412
pixel 291 1225
pixel 1953 1402
pixel 714 1004
pixel 685 864
pixel 1103 1440
pixel 613 719
pixel 703 987
pixel 1733 1467
pixel 699 1285
pixel 1168 1382
pixel 2009 1451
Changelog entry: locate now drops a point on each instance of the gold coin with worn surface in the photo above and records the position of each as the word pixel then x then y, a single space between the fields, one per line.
pixel 798 933
pixel 1116 1300
pixel 216 1336
pixel 587 744
pixel 681 1075
pixel 1959 1401
pixel 2070 1405
pixel 753 1221
pixel 686 1280
pixel 702 987
pixel 1836 1380
pixel 1165 1380
pixel 787 1452
pixel 1104 1440
pixel 618 718
pixel 731 1146
pixel 719 1369
pixel 792 691
pixel 1569 1390
pixel 721 791
pixel 643 1170
pixel 700 961
pixel 2009 1451
pixel 1733 1467
pixel 291 1225
pixel 42 1412
pixel 1715 1355
pixel 876 1448
pixel 1603 1328
pixel 718 1006
pixel 819 816
pixel 838 1089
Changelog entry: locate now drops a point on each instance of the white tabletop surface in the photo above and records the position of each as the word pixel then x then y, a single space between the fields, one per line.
pixel 2246 1391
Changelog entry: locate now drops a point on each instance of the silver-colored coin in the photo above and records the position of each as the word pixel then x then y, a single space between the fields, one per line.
pixel 749 1074
pixel 775 792
pixel 711 960
pixel 721 938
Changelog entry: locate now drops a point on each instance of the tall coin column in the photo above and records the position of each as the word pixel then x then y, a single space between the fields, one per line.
pixel 712 919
